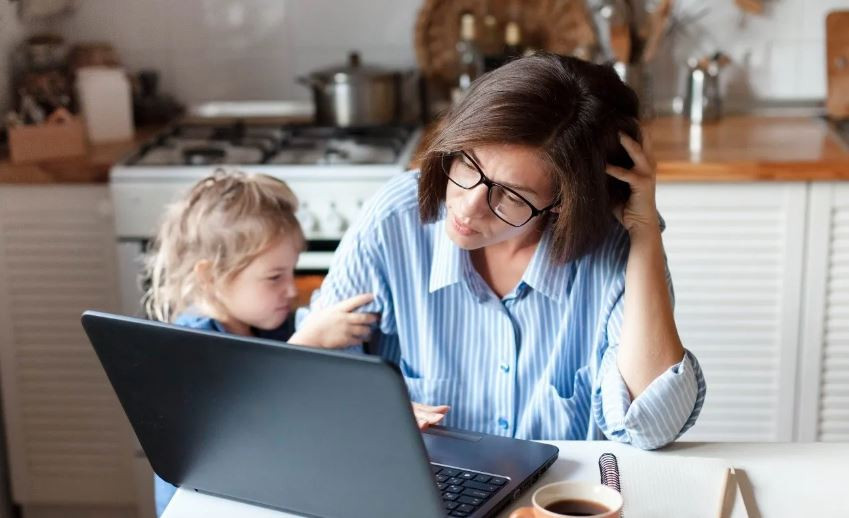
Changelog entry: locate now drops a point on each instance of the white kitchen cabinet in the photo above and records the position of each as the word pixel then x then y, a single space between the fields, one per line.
pixel 823 412
pixel 69 443
pixel 735 254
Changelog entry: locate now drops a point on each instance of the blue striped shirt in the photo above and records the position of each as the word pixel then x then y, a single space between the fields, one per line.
pixel 538 363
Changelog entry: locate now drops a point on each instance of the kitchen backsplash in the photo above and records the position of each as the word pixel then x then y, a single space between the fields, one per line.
pixel 254 49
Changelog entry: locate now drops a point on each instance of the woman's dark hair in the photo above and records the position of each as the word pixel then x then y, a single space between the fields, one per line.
pixel 570 110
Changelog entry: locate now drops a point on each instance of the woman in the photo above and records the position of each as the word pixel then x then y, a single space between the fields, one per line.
pixel 506 287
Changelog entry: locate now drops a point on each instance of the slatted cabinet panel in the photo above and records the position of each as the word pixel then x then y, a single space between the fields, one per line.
pixel 68 438
pixel 824 395
pixel 736 261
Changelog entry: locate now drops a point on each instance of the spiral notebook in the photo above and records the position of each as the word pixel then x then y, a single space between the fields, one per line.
pixel 655 485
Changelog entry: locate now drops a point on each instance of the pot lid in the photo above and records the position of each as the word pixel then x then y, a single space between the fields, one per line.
pixel 352 70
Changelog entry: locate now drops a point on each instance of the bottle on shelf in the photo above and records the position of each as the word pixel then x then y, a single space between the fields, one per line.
pixel 491 43
pixel 512 41
pixel 470 57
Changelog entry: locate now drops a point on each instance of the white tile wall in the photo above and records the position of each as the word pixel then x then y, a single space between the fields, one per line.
pixel 247 49
pixel 254 49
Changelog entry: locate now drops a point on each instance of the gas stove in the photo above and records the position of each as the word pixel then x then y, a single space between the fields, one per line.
pixel 246 144
pixel 333 172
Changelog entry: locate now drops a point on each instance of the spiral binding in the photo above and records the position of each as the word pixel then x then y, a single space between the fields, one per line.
pixel 609 470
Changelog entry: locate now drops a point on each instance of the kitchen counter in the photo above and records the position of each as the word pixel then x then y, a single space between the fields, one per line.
pixel 93 167
pixel 748 148
pixel 736 149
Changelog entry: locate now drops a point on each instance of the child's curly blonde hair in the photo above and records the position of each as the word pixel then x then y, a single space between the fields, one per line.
pixel 228 219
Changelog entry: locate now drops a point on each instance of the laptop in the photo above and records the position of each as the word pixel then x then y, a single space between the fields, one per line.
pixel 308 431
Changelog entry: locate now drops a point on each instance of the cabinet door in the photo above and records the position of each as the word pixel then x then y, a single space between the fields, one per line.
pixel 735 254
pixel 824 396
pixel 68 439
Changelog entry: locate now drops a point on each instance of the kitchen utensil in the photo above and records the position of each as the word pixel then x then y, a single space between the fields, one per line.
pixel 619 19
pixel 357 95
pixel 837 64
pixel 657 24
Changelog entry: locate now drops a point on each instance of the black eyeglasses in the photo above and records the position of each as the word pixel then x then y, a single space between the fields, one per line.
pixel 508 205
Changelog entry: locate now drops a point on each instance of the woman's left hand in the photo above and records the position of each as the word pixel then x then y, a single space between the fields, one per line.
pixel 427 415
pixel 640 211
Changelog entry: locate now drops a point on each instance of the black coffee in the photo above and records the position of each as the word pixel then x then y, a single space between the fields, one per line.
pixel 575 507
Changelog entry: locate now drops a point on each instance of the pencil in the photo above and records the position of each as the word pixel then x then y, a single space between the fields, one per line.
pixel 723 493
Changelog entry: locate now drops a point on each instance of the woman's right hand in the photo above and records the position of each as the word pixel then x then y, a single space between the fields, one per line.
pixel 427 415
pixel 338 325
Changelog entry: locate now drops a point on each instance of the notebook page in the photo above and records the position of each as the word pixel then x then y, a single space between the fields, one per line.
pixel 684 487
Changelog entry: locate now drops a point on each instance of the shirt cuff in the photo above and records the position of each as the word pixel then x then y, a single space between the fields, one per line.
pixel 666 409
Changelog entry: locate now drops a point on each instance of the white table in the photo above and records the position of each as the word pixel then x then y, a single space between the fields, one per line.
pixel 776 479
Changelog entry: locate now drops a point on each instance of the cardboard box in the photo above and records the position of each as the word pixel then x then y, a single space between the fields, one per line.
pixel 60 137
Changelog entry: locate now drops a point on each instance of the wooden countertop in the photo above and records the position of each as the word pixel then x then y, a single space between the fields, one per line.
pixel 747 148
pixel 90 168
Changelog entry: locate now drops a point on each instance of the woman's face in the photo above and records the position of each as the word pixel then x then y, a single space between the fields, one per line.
pixel 470 223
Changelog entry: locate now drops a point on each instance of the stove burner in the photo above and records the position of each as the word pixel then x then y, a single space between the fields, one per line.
pixel 203 156
pixel 244 143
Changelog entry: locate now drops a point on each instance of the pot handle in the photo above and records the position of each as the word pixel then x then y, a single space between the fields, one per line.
pixel 309 81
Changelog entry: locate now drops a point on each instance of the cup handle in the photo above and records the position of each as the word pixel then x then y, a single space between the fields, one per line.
pixel 523 512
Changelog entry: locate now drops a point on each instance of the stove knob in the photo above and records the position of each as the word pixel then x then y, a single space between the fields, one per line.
pixel 336 222
pixel 308 220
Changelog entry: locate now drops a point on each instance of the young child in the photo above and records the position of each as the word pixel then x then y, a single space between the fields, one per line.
pixel 224 260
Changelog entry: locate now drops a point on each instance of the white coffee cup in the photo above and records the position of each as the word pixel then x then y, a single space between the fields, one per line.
pixel 607 501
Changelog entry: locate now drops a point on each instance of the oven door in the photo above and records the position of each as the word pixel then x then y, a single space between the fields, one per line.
pixel 313 264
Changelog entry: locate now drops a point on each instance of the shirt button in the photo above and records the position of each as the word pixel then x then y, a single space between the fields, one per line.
pixel 503 423
pixel 504 367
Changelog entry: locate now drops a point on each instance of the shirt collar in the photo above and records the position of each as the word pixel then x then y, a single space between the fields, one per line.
pixel 447 264
pixel 541 275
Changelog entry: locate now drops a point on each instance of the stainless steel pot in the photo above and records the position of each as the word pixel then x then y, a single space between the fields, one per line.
pixel 356 95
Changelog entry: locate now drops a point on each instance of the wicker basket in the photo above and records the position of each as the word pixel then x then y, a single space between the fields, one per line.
pixel 561 26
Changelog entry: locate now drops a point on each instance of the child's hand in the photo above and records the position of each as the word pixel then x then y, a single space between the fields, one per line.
pixel 337 326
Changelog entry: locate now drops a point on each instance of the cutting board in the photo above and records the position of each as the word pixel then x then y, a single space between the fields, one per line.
pixel 837 64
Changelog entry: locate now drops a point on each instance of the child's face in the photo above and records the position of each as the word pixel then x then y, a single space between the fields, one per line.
pixel 261 295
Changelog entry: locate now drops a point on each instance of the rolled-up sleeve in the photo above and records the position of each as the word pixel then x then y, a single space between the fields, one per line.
pixel 667 408
pixel 356 268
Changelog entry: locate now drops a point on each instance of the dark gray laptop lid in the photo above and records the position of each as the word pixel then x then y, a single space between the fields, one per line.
pixel 210 417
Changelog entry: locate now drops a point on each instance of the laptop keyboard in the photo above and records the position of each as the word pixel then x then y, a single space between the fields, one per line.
pixel 464 491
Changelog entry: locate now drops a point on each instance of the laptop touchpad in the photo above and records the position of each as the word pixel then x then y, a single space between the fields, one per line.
pixel 454 434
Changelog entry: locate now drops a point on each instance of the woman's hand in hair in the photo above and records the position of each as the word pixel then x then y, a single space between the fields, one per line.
pixel 427 415
pixel 640 211
pixel 338 325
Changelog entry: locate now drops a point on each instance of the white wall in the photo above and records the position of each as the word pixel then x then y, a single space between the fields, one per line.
pixel 253 49
pixel 246 49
